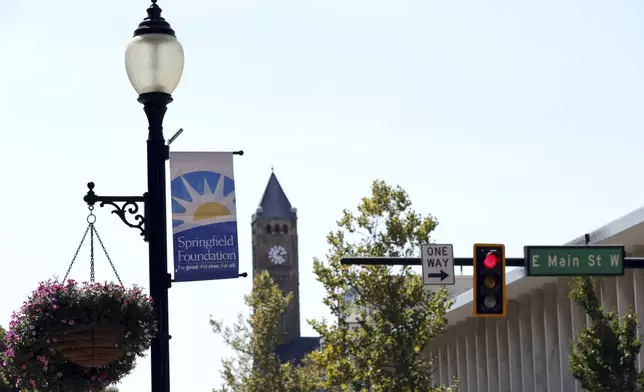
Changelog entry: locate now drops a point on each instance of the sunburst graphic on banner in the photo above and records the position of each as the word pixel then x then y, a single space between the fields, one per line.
pixel 202 198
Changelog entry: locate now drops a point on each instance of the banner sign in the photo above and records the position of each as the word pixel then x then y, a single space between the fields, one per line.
pixel 204 217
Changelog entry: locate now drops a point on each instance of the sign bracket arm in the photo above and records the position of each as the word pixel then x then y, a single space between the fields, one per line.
pixel 629 262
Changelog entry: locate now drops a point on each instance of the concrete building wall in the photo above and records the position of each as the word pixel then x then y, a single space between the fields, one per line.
pixel 528 350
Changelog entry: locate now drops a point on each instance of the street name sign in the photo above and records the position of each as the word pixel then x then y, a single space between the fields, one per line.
pixel 438 264
pixel 574 260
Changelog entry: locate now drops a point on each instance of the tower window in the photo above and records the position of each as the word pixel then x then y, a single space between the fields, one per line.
pixel 269 229
pixel 284 229
pixel 277 229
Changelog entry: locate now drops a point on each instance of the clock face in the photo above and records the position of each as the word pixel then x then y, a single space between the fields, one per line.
pixel 277 255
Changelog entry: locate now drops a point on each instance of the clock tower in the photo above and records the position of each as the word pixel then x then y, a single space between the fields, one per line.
pixel 274 230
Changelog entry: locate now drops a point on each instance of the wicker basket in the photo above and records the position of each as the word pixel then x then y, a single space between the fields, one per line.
pixel 92 345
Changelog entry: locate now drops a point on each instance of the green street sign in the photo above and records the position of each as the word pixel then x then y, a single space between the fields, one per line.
pixel 574 260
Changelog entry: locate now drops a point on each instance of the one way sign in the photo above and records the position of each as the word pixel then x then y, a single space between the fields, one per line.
pixel 438 264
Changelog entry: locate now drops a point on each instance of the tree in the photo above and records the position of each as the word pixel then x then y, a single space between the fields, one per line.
pixel 604 357
pixel 398 316
pixel 254 339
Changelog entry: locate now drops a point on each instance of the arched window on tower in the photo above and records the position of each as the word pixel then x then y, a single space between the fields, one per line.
pixel 285 229
pixel 269 229
pixel 277 229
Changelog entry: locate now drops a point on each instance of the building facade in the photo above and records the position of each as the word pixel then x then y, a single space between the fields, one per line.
pixel 528 350
pixel 275 249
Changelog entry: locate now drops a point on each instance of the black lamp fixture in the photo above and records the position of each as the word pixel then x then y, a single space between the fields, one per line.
pixel 154 64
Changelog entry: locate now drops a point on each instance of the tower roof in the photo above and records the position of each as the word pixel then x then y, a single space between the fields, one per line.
pixel 275 204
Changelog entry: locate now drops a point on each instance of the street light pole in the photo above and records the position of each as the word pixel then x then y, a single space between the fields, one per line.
pixel 154 105
pixel 154 64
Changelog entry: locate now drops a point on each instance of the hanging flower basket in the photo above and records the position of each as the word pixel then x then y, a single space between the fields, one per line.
pixel 77 337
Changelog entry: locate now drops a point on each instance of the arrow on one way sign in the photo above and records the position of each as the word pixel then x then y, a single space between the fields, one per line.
pixel 441 275
pixel 438 264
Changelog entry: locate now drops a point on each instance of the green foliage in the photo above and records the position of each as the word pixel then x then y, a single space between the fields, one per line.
pixel 55 309
pixel 604 357
pixel 398 316
pixel 256 368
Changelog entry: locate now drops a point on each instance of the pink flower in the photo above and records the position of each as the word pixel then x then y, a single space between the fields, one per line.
pixel 59 374
pixel 72 322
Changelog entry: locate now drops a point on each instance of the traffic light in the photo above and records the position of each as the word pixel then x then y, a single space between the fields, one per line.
pixel 489 280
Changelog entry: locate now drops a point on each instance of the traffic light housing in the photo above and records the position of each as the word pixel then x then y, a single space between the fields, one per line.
pixel 489 280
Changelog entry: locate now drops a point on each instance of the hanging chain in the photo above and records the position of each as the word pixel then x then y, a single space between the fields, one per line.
pixel 76 254
pixel 92 274
pixel 91 219
pixel 108 256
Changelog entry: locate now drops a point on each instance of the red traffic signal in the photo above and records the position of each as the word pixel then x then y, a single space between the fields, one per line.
pixel 489 298
pixel 491 260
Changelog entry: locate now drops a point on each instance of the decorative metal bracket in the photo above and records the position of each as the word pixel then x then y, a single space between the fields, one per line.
pixel 130 206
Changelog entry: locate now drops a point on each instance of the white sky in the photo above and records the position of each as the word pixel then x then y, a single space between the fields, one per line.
pixel 512 122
